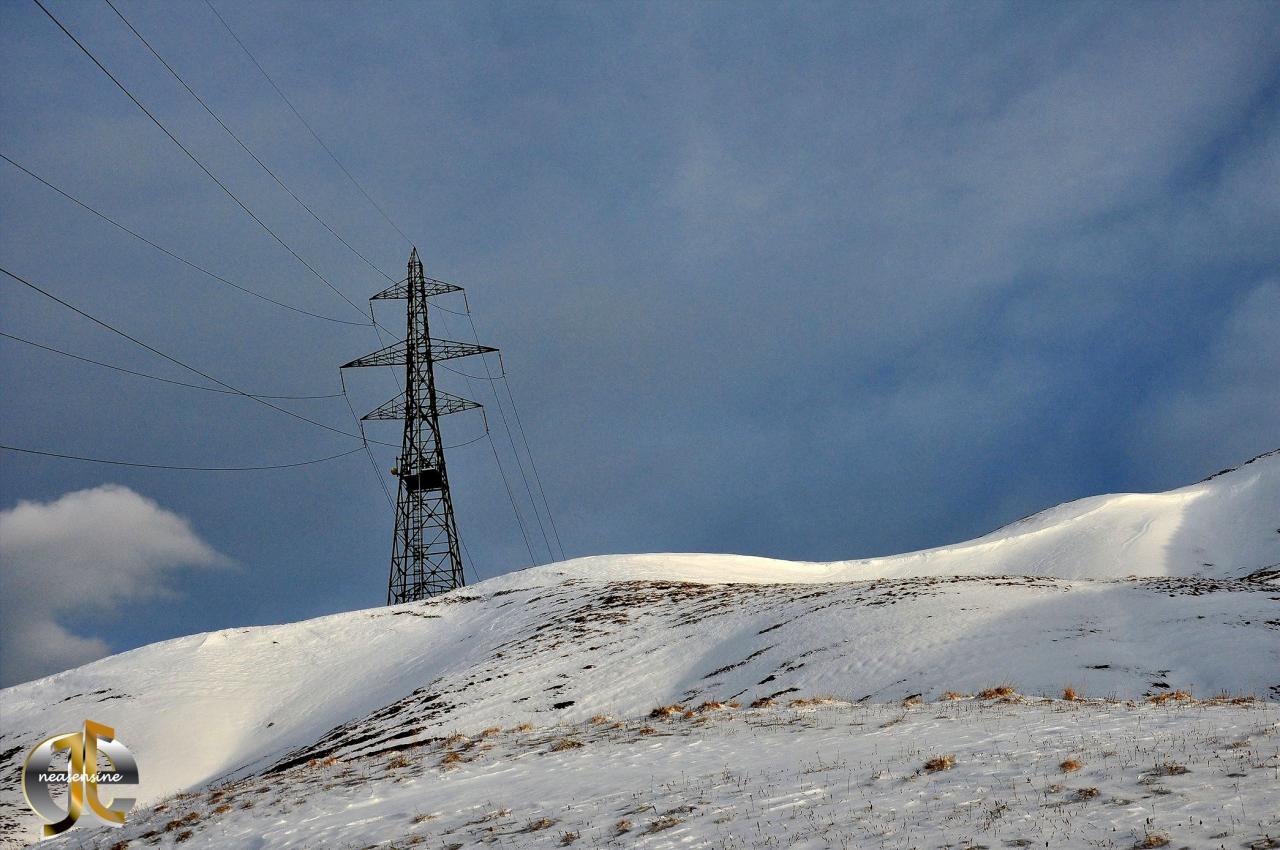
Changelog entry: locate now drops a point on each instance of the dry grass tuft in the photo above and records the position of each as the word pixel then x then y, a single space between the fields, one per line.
pixel 539 825
pixel 1069 694
pixel 938 763
pixel 997 691
pixel 455 739
pixel 807 701
pixel 913 700
pixel 490 732
pixel 663 823
pixel 1083 794
pixel 951 696
pixel 763 702
pixel 523 727
pixel 183 836
pixel 423 818
pixel 398 760
pixel 568 838
pixel 1170 768
pixel 672 710
pixel 1172 696
pixel 597 720
pixel 647 730
pixel 1070 766
pixel 223 809
pixel 710 705
pixel 622 826
pixel 1153 839
pixel 565 744
pixel 451 758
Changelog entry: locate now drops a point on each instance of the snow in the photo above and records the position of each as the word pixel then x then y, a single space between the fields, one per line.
pixel 1121 596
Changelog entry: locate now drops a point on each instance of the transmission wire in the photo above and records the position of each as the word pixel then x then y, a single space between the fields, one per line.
pixel 179 468
pixel 169 253
pixel 157 377
pixel 172 359
pixel 194 159
pixel 240 142
pixel 313 133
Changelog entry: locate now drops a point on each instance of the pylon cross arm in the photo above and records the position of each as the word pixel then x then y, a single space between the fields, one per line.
pixel 446 403
pixel 430 287
pixel 396 355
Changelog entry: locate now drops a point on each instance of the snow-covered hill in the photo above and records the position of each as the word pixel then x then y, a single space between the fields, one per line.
pixel 1117 596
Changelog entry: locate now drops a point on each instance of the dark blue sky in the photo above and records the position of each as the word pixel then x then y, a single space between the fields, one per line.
pixel 814 281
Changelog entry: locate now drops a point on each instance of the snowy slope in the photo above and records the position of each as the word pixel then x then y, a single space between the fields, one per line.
pixel 1115 595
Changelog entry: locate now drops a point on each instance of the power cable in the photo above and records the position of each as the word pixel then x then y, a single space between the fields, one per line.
pixel 240 142
pixel 169 253
pixel 194 159
pixel 532 466
pixel 313 133
pixel 172 359
pixel 179 468
pixel 157 377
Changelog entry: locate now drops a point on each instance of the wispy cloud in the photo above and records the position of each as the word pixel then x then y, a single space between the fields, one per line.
pixel 86 552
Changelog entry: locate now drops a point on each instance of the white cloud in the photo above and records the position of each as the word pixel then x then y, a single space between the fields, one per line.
pixel 93 549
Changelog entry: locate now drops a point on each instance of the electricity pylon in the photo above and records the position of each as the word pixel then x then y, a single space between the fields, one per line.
pixel 425 558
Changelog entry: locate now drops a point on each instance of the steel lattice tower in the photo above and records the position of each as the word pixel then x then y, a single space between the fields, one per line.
pixel 425 556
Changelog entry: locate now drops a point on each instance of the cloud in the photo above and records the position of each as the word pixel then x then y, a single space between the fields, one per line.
pixel 91 550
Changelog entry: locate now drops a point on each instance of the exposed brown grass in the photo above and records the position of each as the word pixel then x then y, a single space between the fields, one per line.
pixel 622 826
pixel 223 809
pixel 451 758
pixel 423 817
pixel 455 739
pixel 663 823
pixel 913 700
pixel 539 825
pixel 951 696
pixel 763 702
pixel 490 732
pixel 600 718
pixel 1153 839
pixel 807 701
pixel 1070 766
pixel 1171 696
pixel 1069 694
pixel 710 705
pixel 938 763
pixel 523 727
pixel 672 710
pixel 997 692
pixel 1171 768
pixel 398 760
pixel 565 744
pixel 183 836
pixel 647 730
pixel 568 838
pixel 1083 794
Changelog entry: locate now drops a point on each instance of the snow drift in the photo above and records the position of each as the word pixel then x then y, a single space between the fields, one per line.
pixel 1122 595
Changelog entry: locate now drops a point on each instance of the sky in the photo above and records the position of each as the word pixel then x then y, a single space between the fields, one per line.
pixel 811 281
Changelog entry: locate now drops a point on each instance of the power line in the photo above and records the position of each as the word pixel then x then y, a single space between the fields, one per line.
pixel 157 377
pixel 194 159
pixel 488 373
pixel 179 468
pixel 172 359
pixel 169 253
pixel 313 133
pixel 532 466
pixel 240 142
